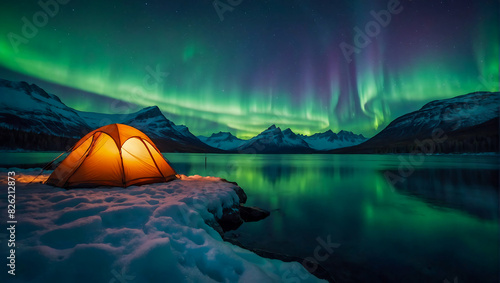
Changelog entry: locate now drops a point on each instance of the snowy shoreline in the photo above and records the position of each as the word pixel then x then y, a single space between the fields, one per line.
pixel 149 233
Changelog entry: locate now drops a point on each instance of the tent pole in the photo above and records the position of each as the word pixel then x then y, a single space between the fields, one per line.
pixel 49 164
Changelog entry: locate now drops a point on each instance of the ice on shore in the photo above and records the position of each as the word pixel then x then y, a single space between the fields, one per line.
pixel 149 233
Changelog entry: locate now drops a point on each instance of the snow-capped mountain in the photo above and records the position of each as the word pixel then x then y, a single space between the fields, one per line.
pixel 447 114
pixel 466 123
pixel 222 140
pixel 273 140
pixel 287 139
pixel 35 120
pixel 330 140
pixel 149 119
pixel 27 107
pixel 168 136
pixel 153 123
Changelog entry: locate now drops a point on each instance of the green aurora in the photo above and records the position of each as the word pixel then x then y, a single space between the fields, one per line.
pixel 255 68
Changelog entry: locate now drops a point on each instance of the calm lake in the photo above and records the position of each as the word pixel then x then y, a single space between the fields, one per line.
pixel 434 220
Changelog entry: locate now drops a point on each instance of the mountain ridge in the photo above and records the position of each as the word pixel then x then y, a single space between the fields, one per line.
pixel 467 123
pixel 29 107
pixel 33 119
pixel 316 142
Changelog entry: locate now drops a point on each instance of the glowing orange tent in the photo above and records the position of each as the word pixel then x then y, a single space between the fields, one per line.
pixel 113 155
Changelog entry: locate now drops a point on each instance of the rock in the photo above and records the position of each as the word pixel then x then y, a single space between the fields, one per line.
pixel 251 214
pixel 241 194
pixel 214 224
pixel 230 219
pixel 233 217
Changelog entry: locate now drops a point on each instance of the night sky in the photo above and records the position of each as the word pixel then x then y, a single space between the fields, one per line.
pixel 245 66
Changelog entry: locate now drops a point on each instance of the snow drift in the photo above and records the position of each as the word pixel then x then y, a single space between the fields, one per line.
pixel 149 233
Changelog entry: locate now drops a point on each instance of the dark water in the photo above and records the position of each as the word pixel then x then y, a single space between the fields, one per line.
pixel 433 222
pixel 388 218
pixel 25 159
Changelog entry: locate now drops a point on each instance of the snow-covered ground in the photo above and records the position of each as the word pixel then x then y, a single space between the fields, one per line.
pixel 149 233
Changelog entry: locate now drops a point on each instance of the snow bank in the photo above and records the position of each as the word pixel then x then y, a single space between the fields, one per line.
pixel 149 233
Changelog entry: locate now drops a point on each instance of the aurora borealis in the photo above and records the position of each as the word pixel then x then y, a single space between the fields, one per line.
pixel 266 62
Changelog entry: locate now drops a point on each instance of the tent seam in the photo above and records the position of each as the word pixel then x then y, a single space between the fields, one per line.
pixel 83 160
pixel 152 157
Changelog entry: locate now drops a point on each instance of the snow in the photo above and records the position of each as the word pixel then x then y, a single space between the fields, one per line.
pixel 223 140
pixel 183 130
pixel 290 138
pixel 37 110
pixel 287 138
pixel 274 138
pixel 150 120
pixel 149 233
pixel 447 114
pixel 28 98
pixel 329 140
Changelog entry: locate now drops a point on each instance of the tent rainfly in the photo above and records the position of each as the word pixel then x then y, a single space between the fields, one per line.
pixel 113 155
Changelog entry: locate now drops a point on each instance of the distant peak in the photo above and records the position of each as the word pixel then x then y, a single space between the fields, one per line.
pixel 273 126
pixel 329 132
pixel 221 134
pixel 150 112
pixel 29 89
pixel 152 108
pixel 289 133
